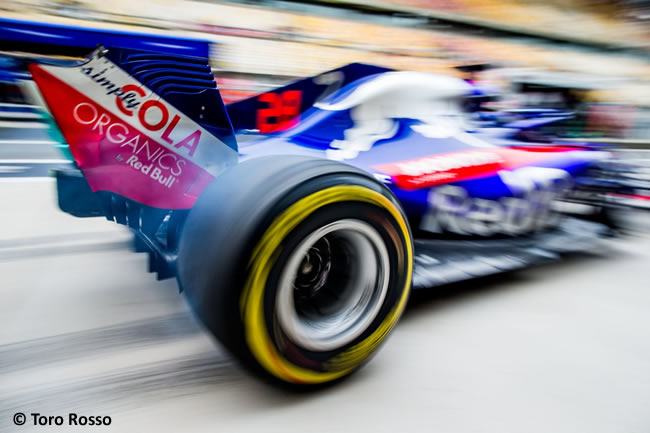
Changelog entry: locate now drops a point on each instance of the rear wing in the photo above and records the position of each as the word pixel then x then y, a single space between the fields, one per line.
pixel 148 127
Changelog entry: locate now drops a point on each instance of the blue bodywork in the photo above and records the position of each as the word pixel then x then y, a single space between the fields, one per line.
pixel 15 32
pixel 319 129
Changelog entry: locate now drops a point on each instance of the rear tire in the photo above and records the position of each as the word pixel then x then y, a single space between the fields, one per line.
pixel 301 267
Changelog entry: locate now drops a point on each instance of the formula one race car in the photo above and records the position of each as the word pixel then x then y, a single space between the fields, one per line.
pixel 298 244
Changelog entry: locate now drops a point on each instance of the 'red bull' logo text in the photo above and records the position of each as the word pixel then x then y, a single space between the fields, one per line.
pixel 155 174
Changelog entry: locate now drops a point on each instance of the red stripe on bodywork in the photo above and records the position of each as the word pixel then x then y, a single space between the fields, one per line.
pixel 444 168
pixel 632 196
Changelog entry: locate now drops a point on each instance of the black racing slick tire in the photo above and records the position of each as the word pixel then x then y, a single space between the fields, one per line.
pixel 299 266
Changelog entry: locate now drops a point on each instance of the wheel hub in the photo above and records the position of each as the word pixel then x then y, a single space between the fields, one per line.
pixel 333 285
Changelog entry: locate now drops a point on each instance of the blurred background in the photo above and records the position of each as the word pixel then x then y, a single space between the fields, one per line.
pixel 598 50
pixel 127 347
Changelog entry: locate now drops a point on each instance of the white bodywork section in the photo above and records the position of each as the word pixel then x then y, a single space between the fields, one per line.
pixel 434 100
pixel 403 94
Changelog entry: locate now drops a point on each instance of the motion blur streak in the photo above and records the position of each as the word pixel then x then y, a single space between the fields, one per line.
pixel 557 348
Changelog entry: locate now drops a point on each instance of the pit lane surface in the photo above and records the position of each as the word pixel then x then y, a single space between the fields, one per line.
pixel 84 329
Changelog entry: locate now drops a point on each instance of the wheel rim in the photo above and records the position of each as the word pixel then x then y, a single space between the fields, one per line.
pixel 333 285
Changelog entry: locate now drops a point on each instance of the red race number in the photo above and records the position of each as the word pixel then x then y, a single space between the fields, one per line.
pixel 281 113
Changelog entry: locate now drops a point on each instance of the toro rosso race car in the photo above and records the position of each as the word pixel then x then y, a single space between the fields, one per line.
pixel 297 245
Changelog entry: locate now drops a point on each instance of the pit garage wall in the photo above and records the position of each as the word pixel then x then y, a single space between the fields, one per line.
pixel 265 41
pixel 606 23
pixel 260 42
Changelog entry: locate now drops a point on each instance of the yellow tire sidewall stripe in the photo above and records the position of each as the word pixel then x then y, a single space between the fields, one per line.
pixel 263 258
